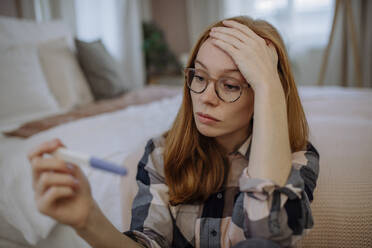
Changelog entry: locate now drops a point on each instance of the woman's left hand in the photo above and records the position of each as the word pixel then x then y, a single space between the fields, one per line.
pixel 255 57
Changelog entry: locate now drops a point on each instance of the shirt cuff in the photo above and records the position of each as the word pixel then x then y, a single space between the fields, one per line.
pixel 262 189
pixel 142 239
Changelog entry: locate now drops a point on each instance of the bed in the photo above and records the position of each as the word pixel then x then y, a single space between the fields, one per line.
pixel 340 121
pixel 110 135
pixel 44 94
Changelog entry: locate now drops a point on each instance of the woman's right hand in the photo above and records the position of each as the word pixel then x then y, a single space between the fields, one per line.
pixel 61 189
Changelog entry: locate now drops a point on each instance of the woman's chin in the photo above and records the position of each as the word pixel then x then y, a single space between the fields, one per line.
pixel 207 131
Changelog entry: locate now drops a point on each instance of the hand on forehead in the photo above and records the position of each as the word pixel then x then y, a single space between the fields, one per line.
pixel 214 60
pixel 256 59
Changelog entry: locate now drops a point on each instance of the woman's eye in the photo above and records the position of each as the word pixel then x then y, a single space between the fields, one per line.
pixel 231 87
pixel 199 78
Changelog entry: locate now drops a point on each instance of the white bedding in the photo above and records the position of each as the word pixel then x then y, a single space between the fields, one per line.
pixel 115 135
pixel 110 135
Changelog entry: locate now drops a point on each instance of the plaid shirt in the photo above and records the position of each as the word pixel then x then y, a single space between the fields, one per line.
pixel 245 207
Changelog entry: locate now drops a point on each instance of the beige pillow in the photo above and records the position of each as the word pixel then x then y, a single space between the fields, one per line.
pixel 63 74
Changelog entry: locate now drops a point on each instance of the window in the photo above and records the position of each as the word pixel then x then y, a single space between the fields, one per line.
pixel 303 24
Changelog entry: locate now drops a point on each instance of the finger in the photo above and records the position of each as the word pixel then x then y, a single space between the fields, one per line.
pixel 77 172
pixel 228 42
pixel 236 43
pixel 46 147
pixel 244 29
pixel 81 177
pixel 45 203
pixel 273 52
pixel 230 49
pixel 40 165
pixel 49 179
pixel 233 32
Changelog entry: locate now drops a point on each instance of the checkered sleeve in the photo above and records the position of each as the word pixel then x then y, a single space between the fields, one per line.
pixel 281 214
pixel 151 223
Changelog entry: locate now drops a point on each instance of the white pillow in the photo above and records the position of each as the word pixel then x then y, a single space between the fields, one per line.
pixel 23 89
pixel 63 74
pixel 21 31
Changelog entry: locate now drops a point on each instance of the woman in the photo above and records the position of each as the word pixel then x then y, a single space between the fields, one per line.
pixel 216 178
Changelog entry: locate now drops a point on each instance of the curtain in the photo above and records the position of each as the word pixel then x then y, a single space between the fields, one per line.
pixel 118 24
pixel 346 63
pixel 129 44
pixel 366 37
pixel 200 14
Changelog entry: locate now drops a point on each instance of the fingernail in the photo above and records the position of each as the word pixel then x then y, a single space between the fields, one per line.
pixel 76 181
pixel 70 166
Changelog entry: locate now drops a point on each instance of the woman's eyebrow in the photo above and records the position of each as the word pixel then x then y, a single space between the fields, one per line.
pixel 224 70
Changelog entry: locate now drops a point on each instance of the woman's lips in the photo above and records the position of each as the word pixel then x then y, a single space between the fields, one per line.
pixel 206 119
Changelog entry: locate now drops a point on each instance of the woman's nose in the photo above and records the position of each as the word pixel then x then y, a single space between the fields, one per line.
pixel 209 95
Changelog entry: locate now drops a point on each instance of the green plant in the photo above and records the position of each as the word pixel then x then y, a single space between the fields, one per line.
pixel 159 58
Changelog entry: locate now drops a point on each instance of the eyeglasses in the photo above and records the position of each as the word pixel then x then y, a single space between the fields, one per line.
pixel 228 89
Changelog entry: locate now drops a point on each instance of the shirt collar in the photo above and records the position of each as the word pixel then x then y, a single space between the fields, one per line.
pixel 243 149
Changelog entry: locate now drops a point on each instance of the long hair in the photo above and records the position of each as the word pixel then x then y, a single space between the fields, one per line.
pixel 195 166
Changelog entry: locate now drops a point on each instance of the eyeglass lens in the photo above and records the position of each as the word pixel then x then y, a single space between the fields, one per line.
pixel 227 89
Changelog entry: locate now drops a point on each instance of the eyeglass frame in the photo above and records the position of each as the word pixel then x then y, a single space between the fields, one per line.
pixel 243 85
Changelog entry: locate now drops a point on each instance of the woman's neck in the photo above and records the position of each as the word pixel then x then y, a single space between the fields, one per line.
pixel 232 141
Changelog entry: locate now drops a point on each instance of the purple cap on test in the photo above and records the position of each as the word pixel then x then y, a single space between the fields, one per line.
pixel 107 166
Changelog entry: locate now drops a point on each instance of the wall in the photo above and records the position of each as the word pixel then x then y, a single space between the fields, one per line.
pixel 170 16
pixel 8 8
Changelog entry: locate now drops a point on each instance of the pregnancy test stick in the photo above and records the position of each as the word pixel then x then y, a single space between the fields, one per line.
pixel 86 160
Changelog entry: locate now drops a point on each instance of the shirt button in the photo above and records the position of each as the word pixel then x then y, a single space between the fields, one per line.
pixel 214 233
pixel 219 196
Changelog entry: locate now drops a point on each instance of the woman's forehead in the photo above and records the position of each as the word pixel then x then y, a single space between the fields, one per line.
pixel 213 58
